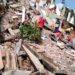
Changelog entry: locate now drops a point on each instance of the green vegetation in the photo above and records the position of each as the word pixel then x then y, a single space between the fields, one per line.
pixel 33 33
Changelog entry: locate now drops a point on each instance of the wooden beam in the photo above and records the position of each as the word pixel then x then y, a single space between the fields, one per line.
pixel 33 58
pixel 18 47
pixel 7 65
pixel 11 31
pixel 23 14
pixel 48 26
pixel 20 62
pixel 1 63
pixel 13 61
pixel 17 72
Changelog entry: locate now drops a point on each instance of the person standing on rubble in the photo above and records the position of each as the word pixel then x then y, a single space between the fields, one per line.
pixel 41 22
pixel 70 42
pixel 68 30
pixel 57 25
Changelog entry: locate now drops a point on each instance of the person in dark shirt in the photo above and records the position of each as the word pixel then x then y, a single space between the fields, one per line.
pixel 57 26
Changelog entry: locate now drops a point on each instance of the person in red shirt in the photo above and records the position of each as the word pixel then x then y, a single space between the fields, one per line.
pixel 70 42
pixel 41 22
pixel 58 34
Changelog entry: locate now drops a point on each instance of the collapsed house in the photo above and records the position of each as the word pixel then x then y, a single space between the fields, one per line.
pixel 27 57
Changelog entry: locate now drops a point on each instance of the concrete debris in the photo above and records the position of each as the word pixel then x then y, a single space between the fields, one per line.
pixel 17 72
pixel 43 57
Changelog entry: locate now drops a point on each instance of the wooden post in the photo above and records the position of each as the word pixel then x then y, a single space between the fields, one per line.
pixel 20 62
pixel 13 61
pixel 63 12
pixel 1 63
pixel 23 14
pixel 4 1
pixel 7 65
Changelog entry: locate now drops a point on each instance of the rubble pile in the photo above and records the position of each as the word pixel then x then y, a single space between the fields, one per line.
pixel 63 58
pixel 28 59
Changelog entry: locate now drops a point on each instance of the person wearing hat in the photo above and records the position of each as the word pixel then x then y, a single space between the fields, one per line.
pixel 68 30
pixel 52 7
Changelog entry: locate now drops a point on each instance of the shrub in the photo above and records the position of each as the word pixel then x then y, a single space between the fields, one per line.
pixel 33 33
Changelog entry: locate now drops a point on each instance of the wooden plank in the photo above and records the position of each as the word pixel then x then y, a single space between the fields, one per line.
pixel 7 65
pixel 11 31
pixel 1 63
pixel 48 26
pixel 33 58
pixel 23 14
pixel 17 72
pixel 8 38
pixel 21 53
pixel 20 62
pixel 18 46
pixel 34 9
pixel 13 61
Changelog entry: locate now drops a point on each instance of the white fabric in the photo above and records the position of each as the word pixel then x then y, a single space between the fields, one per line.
pixel 51 6
pixel 57 11
pixel 60 44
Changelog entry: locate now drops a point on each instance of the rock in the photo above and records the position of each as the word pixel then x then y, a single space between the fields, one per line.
pixel 8 44
pixel 73 65
pixel 13 45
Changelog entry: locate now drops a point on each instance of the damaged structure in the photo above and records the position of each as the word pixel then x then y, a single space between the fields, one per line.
pixel 25 48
